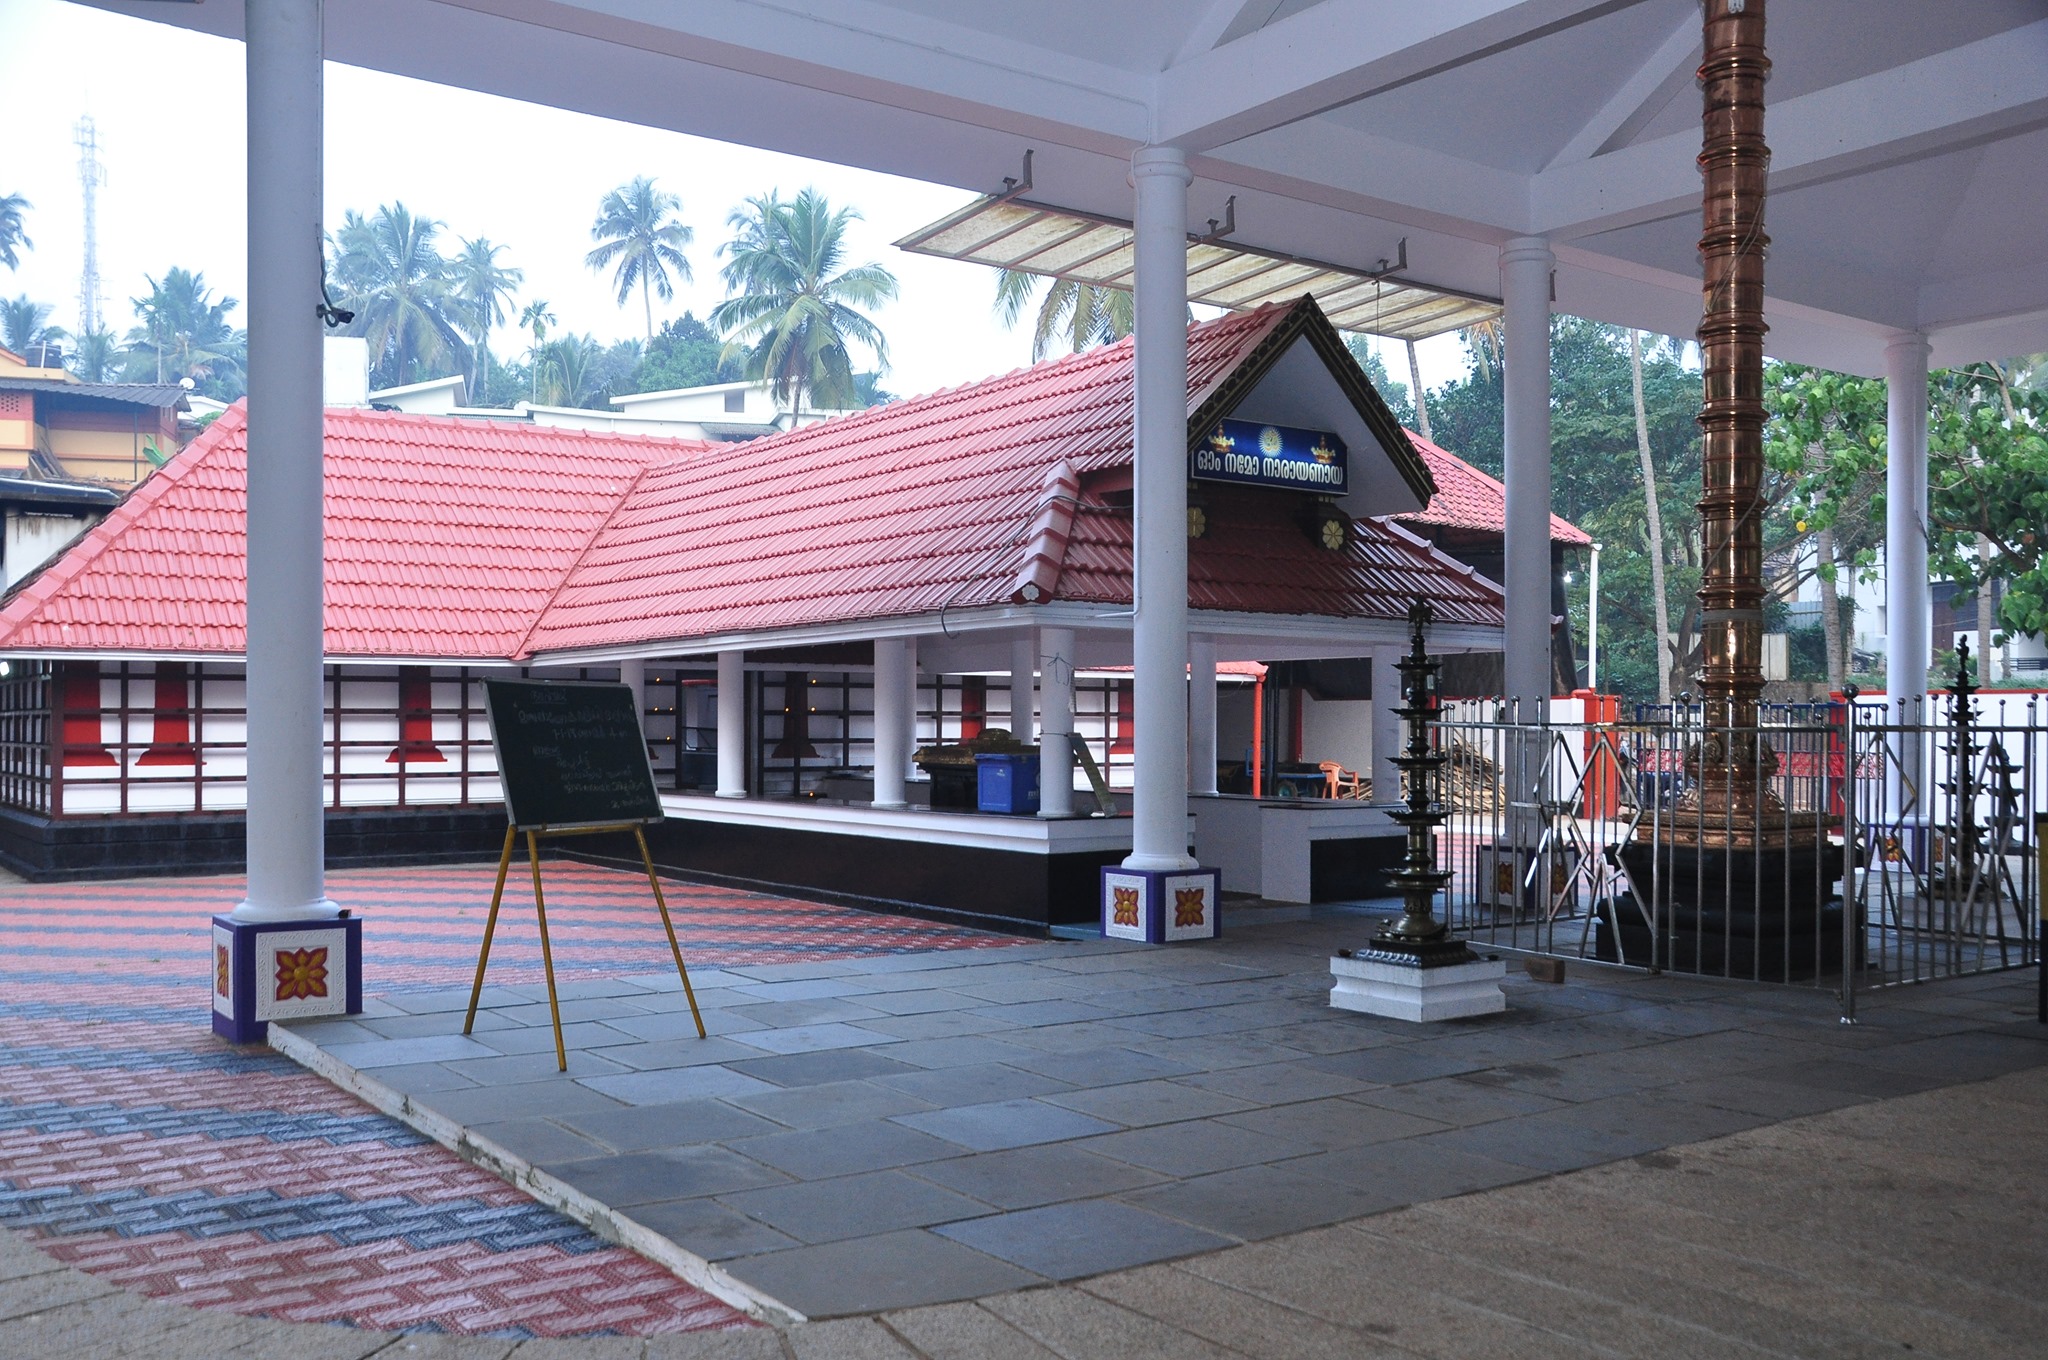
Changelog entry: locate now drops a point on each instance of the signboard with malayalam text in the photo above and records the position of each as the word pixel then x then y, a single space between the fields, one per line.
pixel 570 755
pixel 1247 453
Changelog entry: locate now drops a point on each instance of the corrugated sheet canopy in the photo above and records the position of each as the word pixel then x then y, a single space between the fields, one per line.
pixel 1062 244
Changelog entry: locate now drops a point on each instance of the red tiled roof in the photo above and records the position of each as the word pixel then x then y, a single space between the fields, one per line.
pixel 459 538
pixel 954 501
pixel 444 538
pixel 1467 498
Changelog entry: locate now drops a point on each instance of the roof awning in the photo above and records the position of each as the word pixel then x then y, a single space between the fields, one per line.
pixel 1061 243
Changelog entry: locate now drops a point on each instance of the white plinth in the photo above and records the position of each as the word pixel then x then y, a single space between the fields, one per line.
pixel 1402 991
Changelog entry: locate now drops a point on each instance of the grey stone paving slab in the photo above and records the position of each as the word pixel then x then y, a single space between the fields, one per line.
pixel 588 1034
pixel 1073 1038
pixel 830 1104
pixel 1028 1013
pixel 1457 1100
pixel 497 1069
pixel 1194 1148
pixel 486 1104
pixel 580 989
pixel 451 999
pixel 812 1038
pixel 854 1206
pixel 1411 1171
pixel 679 1025
pixel 924 1001
pixel 1545 1142
pixel 688 1051
pixel 1569 1079
pixel 710 1229
pixel 676 1173
pixel 416 1026
pixel 676 1083
pixel 1095 1066
pixel 1752 1095
pixel 960 1051
pixel 1278 1083
pixel 869 1274
pixel 422 1079
pixel 1964 1057
pixel 1395 1066
pixel 437 1048
pixel 587 1008
pixel 675 1124
pixel 1855 1078
pixel 1005 1124
pixel 1212 1052
pixel 1138 1103
pixel 973 1085
pixel 1254 1202
pixel 937 1025
pixel 1087 1237
pixel 803 989
pixel 824 1065
pixel 1025 1177
pixel 1330 1123
pixel 873 1145
pixel 798 1014
pixel 540 1140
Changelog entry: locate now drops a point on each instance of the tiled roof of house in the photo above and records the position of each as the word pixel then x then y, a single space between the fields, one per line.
pixel 1467 498
pixel 444 538
pixel 459 538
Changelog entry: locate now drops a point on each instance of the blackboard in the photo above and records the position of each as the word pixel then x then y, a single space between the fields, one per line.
pixel 570 754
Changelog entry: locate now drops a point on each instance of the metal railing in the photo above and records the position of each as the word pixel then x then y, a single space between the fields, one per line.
pixel 1899 846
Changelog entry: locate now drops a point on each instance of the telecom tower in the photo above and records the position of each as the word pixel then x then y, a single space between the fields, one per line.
pixel 91 175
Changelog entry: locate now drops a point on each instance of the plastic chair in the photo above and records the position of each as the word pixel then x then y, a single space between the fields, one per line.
pixel 1340 782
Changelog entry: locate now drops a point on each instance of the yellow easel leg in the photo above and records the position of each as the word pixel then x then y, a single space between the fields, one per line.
pixel 669 926
pixel 547 958
pixel 490 927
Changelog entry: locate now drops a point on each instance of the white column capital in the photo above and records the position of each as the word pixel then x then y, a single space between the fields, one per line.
pixel 1527 250
pixel 1148 161
pixel 1907 347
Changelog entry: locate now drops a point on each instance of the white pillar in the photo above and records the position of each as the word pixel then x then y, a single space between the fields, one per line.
pixel 892 726
pixel 1525 268
pixel 1023 662
pixel 732 725
pixel 1159 628
pixel 633 675
pixel 286 834
pixel 1056 706
pixel 1909 627
pixel 1202 716
pixel 910 674
pixel 1386 725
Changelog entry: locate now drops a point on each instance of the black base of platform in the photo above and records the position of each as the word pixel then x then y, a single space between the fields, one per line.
pixel 46 850
pixel 1768 915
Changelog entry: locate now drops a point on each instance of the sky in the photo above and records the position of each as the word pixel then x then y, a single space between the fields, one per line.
pixel 168 107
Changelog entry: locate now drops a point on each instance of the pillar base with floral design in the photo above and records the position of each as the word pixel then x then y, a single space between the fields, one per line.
pixel 283 970
pixel 1161 906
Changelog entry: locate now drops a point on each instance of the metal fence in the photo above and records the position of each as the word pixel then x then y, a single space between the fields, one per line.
pixel 1899 846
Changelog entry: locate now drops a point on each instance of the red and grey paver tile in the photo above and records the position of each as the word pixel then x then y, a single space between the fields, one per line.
pixel 137 1147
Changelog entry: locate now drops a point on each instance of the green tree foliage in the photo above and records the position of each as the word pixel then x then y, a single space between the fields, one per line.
pixel 640 239
pixel 96 356
pixel 1072 316
pixel 1395 394
pixel 485 288
pixel 1988 476
pixel 21 324
pixel 13 216
pixel 793 311
pixel 406 297
pixel 684 353
pixel 183 332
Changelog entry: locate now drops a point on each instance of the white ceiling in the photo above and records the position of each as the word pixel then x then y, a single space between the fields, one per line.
pixel 1910 137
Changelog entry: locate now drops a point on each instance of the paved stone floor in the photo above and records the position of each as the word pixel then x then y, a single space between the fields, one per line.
pixel 136 1146
pixel 866 1135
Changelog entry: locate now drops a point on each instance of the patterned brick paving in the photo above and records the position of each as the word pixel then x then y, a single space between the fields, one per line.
pixel 140 1148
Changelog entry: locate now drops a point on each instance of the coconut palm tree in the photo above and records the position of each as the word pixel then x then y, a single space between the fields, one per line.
pixel 393 277
pixel 793 310
pixel 94 356
pixel 567 371
pixel 641 241
pixel 21 324
pixel 13 207
pixel 1076 315
pixel 185 333
pixel 537 318
pixel 484 287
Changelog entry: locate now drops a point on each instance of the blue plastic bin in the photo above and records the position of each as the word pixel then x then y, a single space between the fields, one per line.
pixel 1007 783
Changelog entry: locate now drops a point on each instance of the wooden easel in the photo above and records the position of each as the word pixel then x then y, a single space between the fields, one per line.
pixel 547 958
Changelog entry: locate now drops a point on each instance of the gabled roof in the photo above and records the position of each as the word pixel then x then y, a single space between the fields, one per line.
pixel 444 538
pixel 934 504
pixel 475 539
pixel 1467 498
